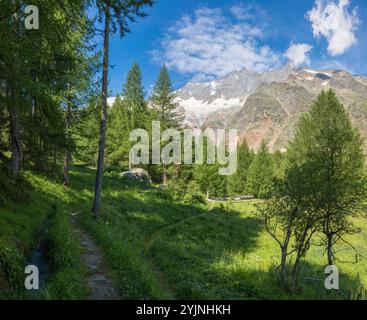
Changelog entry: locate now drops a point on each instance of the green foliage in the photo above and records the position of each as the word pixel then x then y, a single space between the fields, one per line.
pixel 37 70
pixel 209 180
pixel 123 12
pixel 261 174
pixel 322 188
pixel 86 136
pixel 68 278
pixel 118 144
pixel 129 112
pixel 11 269
pixel 207 174
pixel 193 194
pixel 21 221
pixel 221 252
pixel 237 183
pixel 21 224
pixel 279 160
pixel 187 192
pixel 163 102
pixel 12 189
pixel 326 166
pixel 182 187
pixel 134 99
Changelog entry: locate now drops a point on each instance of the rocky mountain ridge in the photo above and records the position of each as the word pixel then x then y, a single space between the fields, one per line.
pixel 269 105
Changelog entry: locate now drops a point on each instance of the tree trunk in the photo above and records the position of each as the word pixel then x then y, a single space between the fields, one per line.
pixel 330 255
pixel 67 156
pixel 295 274
pixel 207 194
pixel 55 155
pixel 283 267
pixel 15 147
pixel 165 178
pixel 102 138
pixel 16 150
pixel 66 168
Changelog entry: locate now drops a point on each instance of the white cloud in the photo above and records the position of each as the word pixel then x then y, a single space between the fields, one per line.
pixel 336 23
pixel 298 54
pixel 247 11
pixel 210 45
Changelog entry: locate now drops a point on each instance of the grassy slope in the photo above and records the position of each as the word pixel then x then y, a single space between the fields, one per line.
pixel 19 226
pixel 228 255
pixel 157 249
pixel 45 203
pixel 160 249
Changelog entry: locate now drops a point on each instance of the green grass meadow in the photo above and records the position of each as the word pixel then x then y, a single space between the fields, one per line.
pixel 157 249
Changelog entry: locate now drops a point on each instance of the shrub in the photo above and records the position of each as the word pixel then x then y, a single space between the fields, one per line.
pixel 194 194
pixel 179 190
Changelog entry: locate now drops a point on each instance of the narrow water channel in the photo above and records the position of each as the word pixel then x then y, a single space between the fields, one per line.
pixel 40 259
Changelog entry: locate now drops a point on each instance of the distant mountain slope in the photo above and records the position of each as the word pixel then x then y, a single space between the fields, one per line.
pixel 201 100
pixel 269 105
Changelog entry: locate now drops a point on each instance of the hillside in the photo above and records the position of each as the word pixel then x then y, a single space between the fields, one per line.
pixel 155 248
pixel 268 106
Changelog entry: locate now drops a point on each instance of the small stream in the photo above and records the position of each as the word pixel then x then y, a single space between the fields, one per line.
pixel 39 259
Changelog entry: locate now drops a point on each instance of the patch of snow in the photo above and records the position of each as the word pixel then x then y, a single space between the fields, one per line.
pixel 202 109
pixel 311 71
pixel 318 72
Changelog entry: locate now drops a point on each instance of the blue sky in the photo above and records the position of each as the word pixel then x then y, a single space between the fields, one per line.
pixel 204 40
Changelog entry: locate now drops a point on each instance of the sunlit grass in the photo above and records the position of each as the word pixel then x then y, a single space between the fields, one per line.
pixel 158 249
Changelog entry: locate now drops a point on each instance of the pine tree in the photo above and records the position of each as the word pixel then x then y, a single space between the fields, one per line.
pixel 237 183
pixel 86 131
pixel 163 102
pixel 134 99
pixel 34 84
pixel 207 174
pixel 261 173
pixel 119 127
pixel 165 108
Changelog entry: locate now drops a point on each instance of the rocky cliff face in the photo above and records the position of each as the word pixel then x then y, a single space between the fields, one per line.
pixel 269 105
pixel 202 100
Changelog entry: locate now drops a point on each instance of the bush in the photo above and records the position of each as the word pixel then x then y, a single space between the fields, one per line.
pixel 194 194
pixel 11 268
pixel 179 190
pixel 12 190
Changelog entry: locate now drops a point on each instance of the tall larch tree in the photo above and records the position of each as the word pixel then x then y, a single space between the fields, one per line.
pixel 163 101
pixel 116 14
pixel 36 65
pixel 261 173
pixel 237 183
pixel 165 108
pixel 133 96
pixel 119 127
